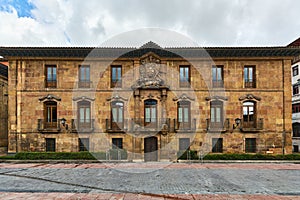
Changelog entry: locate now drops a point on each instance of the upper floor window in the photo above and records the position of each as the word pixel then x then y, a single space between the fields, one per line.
pixel 50 114
pixel 296 129
pixel 295 70
pixel 249 77
pixel 217 76
pixel 184 118
pixel 84 76
pixel 117 115
pixel 184 76
pixel 51 80
pixel 84 114
pixel 295 89
pixel 216 114
pixel 150 113
pixel 116 76
pixel 296 108
pixel 249 114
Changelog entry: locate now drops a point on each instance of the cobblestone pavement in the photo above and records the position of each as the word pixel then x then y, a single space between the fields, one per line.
pixel 149 181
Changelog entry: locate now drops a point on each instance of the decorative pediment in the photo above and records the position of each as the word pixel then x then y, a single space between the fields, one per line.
pixel 249 97
pixel 183 97
pixel 50 97
pixel 83 98
pixel 116 98
pixel 216 98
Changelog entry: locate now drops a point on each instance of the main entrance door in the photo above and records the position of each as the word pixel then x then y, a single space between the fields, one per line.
pixel 150 149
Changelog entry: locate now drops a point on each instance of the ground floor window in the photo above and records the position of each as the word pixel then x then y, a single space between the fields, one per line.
pixel 295 148
pixel 250 145
pixel 50 144
pixel 184 144
pixel 217 145
pixel 84 144
pixel 117 143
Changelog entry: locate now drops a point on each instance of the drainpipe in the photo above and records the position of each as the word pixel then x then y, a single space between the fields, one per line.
pixel 283 111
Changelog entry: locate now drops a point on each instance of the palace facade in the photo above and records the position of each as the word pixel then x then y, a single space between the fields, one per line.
pixel 3 107
pixel 152 102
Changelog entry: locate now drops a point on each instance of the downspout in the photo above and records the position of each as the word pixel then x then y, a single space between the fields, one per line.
pixel 16 105
pixel 283 111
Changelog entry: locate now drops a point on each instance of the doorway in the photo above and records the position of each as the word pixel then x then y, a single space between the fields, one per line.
pixel 150 149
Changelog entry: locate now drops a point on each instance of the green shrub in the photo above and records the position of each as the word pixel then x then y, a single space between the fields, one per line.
pixel 251 157
pixel 187 154
pixel 54 156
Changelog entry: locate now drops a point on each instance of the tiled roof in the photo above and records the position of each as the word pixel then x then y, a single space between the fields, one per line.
pixel 3 70
pixel 295 43
pixel 83 52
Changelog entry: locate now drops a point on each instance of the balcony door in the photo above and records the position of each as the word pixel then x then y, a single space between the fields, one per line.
pixel 84 115
pixel 249 115
pixel 117 115
pixel 50 114
pixel 150 113
pixel 184 119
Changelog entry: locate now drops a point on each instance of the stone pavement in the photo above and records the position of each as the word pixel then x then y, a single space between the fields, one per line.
pixel 149 181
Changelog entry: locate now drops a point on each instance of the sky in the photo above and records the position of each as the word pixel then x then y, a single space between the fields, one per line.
pixel 133 22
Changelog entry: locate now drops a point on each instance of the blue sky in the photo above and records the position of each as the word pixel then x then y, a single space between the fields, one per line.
pixel 94 22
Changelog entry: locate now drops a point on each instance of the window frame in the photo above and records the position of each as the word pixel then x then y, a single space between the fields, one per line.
pixel 83 144
pixel 84 121
pixel 249 82
pixel 50 144
pixel 296 108
pixel 183 144
pixel 296 129
pixel 218 78
pixel 117 124
pixel 217 120
pixel 50 115
pixel 295 70
pixel 50 81
pixel 250 145
pixel 182 107
pixel 217 145
pixel 152 121
pixel 251 121
pixel 117 143
pixel 116 82
pixel 295 89
pixel 84 71
pixel 184 77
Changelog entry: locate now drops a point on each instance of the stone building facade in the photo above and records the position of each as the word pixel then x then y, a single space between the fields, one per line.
pixel 152 102
pixel 3 108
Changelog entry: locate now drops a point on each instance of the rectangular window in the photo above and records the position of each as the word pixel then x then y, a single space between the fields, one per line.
pixel 217 145
pixel 296 108
pixel 296 129
pixel 295 70
pixel 50 115
pixel 249 77
pixel 51 81
pixel 184 144
pixel 295 89
pixel 117 143
pixel 84 144
pixel 50 144
pixel 250 145
pixel 295 148
pixel 217 76
pixel 116 76
pixel 184 76
pixel 84 76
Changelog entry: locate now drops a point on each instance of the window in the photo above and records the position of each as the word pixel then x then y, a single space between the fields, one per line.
pixel 50 115
pixel 117 143
pixel 50 144
pixel 150 113
pixel 296 108
pixel 184 144
pixel 184 76
pixel 217 76
pixel 51 76
pixel 84 76
pixel 296 129
pixel 84 144
pixel 117 108
pixel 216 114
pixel 217 145
pixel 295 89
pixel 250 145
pixel 116 76
pixel 295 148
pixel 84 114
pixel 295 70
pixel 249 114
pixel 249 77
pixel 184 119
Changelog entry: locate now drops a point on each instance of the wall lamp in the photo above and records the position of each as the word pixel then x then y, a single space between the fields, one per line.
pixel 237 123
pixel 63 121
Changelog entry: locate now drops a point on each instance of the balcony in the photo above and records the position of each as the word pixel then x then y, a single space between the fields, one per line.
pixel 140 125
pixel 51 84
pixel 217 126
pixel 250 83
pixel 116 127
pixel 84 84
pixel 217 83
pixel 184 126
pixel 252 126
pixel 82 127
pixel 50 127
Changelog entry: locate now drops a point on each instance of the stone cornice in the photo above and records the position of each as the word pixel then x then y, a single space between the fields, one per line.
pixel 50 97
pixel 249 97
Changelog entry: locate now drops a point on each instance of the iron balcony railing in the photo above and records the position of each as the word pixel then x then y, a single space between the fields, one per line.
pixel 82 127
pixel 218 83
pixel 252 126
pixel 116 126
pixel 217 126
pixel 46 126
pixel 185 126
pixel 140 124
pixel 84 84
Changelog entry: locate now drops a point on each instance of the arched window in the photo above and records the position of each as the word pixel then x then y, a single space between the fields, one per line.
pixel 117 115
pixel 50 114
pixel 84 114
pixel 216 114
pixel 249 114
pixel 184 114
pixel 150 116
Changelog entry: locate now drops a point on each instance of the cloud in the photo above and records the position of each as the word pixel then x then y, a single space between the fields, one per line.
pixel 209 23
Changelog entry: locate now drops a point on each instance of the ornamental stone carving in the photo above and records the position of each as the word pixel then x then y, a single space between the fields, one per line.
pixel 249 97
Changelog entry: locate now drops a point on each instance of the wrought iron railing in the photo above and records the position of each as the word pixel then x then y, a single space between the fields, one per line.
pixel 82 127
pixel 140 124
pixel 217 126
pixel 185 126
pixel 46 126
